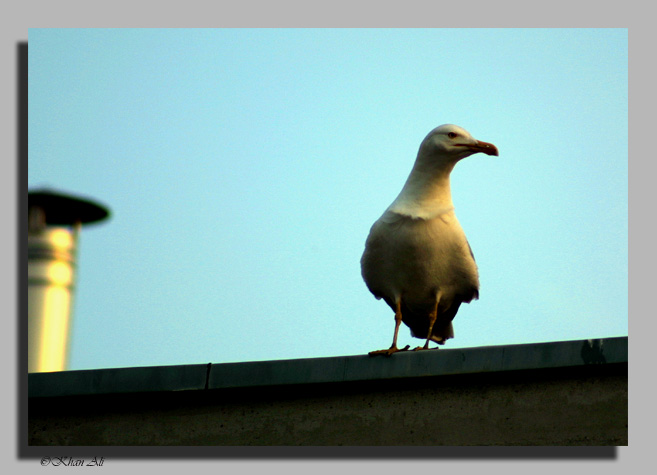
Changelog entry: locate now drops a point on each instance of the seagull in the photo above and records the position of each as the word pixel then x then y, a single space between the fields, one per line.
pixel 417 258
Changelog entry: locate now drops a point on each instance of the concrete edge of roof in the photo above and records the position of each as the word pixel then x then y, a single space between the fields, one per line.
pixel 337 369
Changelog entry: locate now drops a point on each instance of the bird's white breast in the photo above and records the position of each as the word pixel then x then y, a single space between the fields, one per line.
pixel 416 257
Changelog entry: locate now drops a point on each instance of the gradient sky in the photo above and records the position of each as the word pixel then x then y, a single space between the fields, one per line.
pixel 244 168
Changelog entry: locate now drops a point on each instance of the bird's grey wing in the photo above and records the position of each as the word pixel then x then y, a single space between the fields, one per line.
pixel 475 292
pixel 377 267
pixel 471 253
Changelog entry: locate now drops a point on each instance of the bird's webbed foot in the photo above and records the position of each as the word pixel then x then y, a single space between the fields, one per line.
pixel 389 351
pixel 425 347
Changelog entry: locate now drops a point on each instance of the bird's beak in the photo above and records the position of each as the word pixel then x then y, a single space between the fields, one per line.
pixel 483 147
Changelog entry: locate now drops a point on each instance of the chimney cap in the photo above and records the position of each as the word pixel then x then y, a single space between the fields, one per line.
pixel 64 209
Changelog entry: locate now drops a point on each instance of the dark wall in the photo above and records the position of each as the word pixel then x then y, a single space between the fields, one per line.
pixel 585 405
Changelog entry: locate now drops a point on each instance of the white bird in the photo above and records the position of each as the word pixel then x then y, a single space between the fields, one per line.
pixel 417 257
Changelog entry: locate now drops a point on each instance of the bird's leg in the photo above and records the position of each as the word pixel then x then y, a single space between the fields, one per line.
pixel 433 316
pixel 398 320
pixel 393 348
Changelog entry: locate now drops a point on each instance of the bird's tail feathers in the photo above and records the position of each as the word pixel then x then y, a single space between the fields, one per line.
pixel 419 323
pixel 439 335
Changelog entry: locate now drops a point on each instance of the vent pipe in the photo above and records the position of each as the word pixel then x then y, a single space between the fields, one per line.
pixel 54 222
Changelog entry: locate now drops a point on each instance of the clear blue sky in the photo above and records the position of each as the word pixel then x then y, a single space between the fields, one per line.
pixel 244 168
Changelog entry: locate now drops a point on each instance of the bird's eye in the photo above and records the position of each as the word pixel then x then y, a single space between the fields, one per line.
pixel 452 135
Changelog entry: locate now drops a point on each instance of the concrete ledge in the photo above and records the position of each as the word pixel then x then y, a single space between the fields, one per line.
pixel 549 394
pixel 420 364
pixel 329 370
pixel 117 380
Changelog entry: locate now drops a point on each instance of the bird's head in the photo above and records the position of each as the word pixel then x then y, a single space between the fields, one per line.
pixel 452 143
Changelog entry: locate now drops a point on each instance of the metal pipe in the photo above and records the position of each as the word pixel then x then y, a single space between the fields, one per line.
pixel 54 222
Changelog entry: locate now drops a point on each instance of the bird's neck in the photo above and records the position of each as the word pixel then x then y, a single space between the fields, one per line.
pixel 426 193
